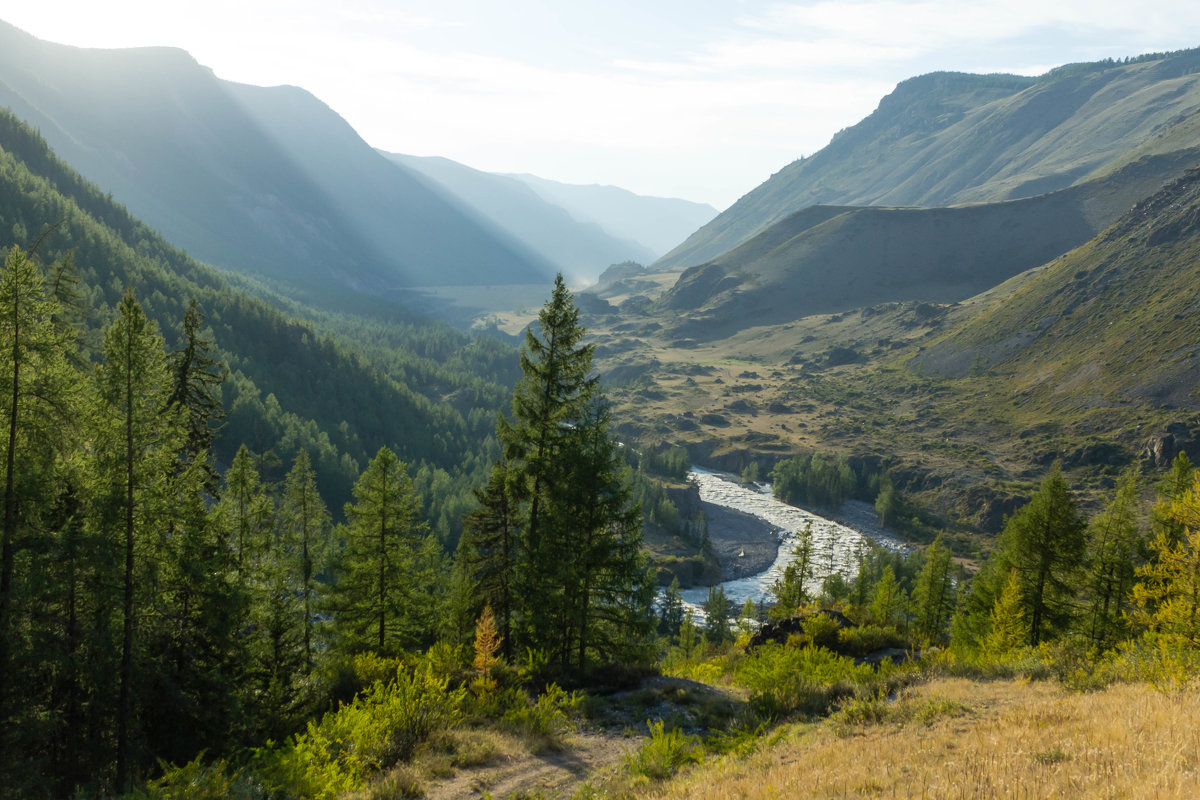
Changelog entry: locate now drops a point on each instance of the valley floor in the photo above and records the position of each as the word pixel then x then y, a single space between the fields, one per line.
pixel 994 739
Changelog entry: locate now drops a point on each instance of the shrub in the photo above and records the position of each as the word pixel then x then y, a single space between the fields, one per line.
pixel 785 679
pixel 664 753
pixel 379 729
pixel 549 718
pixel 198 781
pixel 863 639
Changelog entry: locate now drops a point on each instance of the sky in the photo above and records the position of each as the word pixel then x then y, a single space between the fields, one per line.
pixel 702 99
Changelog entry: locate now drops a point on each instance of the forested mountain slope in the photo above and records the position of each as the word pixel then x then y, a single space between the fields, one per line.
pixel 827 259
pixel 423 389
pixel 265 181
pixel 948 138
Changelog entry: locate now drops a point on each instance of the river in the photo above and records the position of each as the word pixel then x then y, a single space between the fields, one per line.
pixel 835 546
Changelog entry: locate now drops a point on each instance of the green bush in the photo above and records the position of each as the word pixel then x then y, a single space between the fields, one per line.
pixel 379 729
pixel 549 718
pixel 198 781
pixel 863 639
pixel 664 753
pixel 785 679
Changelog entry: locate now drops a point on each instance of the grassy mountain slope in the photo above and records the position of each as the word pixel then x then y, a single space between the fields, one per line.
pixel 659 223
pixel 425 390
pixel 1110 325
pixel 231 174
pixel 1091 359
pixel 826 259
pixel 580 249
pixel 948 138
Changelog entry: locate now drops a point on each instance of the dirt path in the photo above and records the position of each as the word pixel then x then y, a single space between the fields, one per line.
pixel 553 774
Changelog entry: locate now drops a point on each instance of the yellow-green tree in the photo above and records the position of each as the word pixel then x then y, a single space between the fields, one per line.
pixel 1167 597
pixel 1008 628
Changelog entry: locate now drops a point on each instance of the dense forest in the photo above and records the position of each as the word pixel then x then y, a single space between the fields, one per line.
pixel 152 608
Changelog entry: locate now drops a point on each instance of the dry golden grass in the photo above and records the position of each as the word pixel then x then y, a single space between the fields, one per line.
pixel 1016 741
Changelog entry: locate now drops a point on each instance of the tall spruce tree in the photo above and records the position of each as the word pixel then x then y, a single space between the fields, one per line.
pixel 304 540
pixel 138 441
pixel 1045 542
pixel 381 597
pixel 38 388
pixel 581 590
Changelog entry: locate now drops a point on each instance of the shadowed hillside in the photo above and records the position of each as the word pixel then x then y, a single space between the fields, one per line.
pixel 826 259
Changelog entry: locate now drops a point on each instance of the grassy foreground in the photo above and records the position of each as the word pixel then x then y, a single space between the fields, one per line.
pixel 971 739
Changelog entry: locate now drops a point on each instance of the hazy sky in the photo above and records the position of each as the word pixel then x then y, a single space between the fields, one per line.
pixel 699 99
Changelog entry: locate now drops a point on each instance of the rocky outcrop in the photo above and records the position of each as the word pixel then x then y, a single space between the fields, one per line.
pixel 1162 448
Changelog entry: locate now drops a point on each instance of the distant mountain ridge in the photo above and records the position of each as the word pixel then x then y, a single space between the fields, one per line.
pixel 268 181
pixel 581 249
pixel 951 138
pixel 659 223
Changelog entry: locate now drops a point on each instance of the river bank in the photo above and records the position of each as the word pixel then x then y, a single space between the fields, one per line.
pixel 743 544
pixel 835 544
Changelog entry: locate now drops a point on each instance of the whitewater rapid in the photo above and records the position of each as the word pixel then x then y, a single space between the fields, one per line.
pixel 835 546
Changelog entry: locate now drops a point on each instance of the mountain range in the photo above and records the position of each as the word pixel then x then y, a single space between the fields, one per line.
pixel 264 181
pixel 950 138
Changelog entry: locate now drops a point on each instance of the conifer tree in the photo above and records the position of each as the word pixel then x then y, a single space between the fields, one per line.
pixel 791 591
pixel 671 617
pixel 381 602
pixel 490 555
pixel 135 454
pixel 1007 624
pixel 1166 597
pixel 933 595
pixel 716 613
pixel 196 378
pixel 1044 542
pixel 889 598
pixel 549 399
pixel 304 541
pixel 245 515
pixel 37 384
pixel 1114 547
pixel 582 586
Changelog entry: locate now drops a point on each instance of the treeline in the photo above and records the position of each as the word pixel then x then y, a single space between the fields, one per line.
pixel 814 481
pixel 1113 594
pixel 152 608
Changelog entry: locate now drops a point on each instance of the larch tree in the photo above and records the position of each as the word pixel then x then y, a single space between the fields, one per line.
pixel 791 591
pixel 196 378
pixel 245 514
pixel 1166 597
pixel 1115 546
pixel 137 443
pixel 38 385
pixel 933 595
pixel 304 540
pixel 1044 541
pixel 380 601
